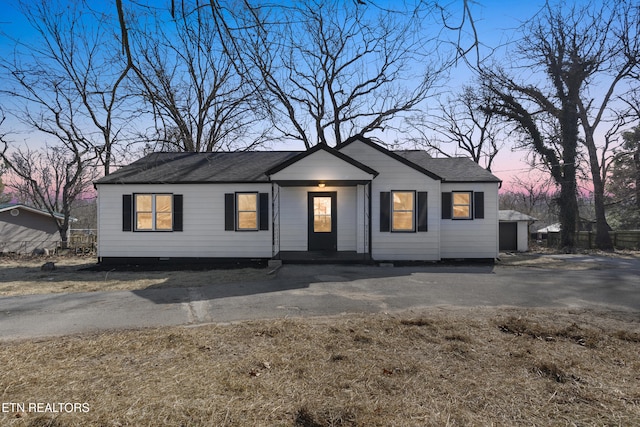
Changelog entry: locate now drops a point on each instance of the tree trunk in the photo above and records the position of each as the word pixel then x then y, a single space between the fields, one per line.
pixel 603 240
pixel 636 162
pixel 568 209
pixel 568 118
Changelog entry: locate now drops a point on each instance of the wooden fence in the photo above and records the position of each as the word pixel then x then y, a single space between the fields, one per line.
pixel 628 239
pixel 83 241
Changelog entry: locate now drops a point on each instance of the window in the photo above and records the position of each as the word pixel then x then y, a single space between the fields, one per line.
pixel 403 211
pixel 322 214
pixel 154 212
pixel 462 205
pixel 247 211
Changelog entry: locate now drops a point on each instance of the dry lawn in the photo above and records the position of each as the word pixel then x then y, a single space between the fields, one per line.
pixel 23 276
pixel 439 367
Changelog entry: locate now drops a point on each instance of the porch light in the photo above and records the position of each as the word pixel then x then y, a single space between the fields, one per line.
pixel 321 184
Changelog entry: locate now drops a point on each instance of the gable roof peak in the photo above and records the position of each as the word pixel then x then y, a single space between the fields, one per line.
pixel 315 149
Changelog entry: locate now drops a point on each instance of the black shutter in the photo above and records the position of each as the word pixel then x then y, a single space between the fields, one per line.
pixel 127 212
pixel 229 211
pixel 385 206
pixel 177 212
pixel 264 211
pixel 446 205
pixel 478 204
pixel 422 211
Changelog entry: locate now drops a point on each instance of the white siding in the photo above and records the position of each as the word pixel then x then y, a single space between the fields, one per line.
pixel 474 238
pixel 203 236
pixel 294 217
pixel 394 175
pixel 321 165
pixel 523 236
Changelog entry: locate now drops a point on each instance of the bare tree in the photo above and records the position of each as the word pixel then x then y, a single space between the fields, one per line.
pixel 72 64
pixel 532 195
pixel 611 52
pixel 572 49
pixel 198 100
pixel 327 69
pixel 460 127
pixel 51 179
pixel 51 89
pixel 623 186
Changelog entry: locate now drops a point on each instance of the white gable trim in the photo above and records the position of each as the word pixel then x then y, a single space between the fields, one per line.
pixel 322 165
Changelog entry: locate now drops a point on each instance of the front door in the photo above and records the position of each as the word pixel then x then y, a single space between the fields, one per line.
pixel 322 234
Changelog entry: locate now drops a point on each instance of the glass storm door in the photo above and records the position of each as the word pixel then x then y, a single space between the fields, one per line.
pixel 322 235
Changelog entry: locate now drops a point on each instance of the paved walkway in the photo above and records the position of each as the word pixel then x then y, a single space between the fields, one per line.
pixel 328 290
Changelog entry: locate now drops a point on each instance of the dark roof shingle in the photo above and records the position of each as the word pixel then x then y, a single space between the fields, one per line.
pixel 451 169
pixel 251 166
pixel 248 166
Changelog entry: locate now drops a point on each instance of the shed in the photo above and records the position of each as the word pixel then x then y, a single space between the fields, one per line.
pixel 514 230
pixel 24 229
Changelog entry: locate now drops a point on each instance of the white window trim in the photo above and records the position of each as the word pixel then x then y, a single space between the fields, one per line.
pixel 257 211
pixel 153 212
pixel 413 213
pixel 453 205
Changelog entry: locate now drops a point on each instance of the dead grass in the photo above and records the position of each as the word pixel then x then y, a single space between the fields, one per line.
pixel 436 367
pixel 22 276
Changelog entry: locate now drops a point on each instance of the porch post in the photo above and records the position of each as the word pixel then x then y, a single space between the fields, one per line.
pixel 275 219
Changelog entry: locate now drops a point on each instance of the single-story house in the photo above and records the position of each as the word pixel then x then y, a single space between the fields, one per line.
pixel 24 229
pixel 356 201
pixel 514 230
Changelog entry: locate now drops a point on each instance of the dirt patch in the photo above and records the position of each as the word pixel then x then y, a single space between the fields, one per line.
pixel 441 366
pixel 23 276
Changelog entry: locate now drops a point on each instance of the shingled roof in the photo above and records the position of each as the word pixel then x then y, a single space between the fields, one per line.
pixel 450 169
pixel 251 166
pixel 188 168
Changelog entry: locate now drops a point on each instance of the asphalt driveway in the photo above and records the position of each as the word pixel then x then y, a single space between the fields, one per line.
pixel 321 290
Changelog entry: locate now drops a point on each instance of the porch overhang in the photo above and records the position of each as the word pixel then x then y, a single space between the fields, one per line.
pixel 320 182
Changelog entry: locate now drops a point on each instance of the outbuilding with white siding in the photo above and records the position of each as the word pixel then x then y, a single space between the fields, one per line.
pixel 357 201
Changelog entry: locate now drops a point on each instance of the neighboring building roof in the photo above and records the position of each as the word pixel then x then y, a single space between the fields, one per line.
pixel 553 228
pixel 256 166
pixel 9 206
pixel 510 215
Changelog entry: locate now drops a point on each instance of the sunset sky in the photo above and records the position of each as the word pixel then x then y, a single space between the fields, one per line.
pixel 496 22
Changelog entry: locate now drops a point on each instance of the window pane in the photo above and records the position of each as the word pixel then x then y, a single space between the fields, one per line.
pixel 462 205
pixel 403 221
pixel 461 212
pixel 322 214
pixel 163 203
pixel 402 201
pixel 322 224
pixel 247 220
pixel 322 205
pixel 461 198
pixel 164 221
pixel 144 221
pixel 247 202
pixel 143 202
